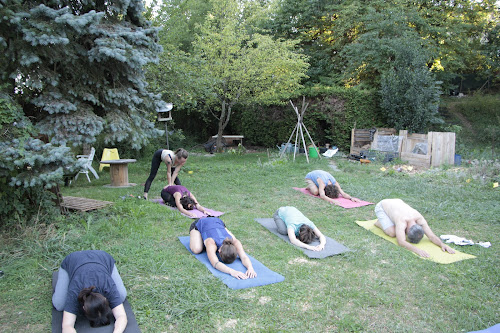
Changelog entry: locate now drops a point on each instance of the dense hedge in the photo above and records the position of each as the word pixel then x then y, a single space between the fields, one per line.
pixel 330 116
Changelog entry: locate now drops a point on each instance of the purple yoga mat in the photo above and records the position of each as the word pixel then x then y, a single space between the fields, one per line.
pixel 342 202
pixel 199 214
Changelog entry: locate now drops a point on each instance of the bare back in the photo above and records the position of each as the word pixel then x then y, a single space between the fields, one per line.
pixel 401 213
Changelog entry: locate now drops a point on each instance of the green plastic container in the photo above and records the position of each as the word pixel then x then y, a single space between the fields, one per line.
pixel 313 153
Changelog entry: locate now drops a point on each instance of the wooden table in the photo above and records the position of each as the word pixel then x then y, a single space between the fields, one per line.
pixel 231 138
pixel 119 172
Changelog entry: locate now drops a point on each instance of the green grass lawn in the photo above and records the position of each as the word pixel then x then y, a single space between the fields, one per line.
pixel 378 287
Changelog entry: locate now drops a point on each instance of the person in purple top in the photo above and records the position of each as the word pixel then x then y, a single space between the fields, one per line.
pixel 88 282
pixel 210 233
pixel 180 197
pixel 322 183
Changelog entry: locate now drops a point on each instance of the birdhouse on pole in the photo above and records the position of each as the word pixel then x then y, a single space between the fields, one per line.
pixel 164 113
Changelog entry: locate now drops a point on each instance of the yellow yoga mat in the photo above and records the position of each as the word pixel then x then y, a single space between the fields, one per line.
pixel 435 252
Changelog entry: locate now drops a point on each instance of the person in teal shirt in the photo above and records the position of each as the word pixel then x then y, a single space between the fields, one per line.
pixel 300 230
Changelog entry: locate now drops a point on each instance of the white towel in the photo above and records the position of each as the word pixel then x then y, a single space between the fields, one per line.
pixel 462 241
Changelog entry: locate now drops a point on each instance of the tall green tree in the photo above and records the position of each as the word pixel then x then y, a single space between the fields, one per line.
pixel 241 65
pixel 71 70
pixel 454 33
pixel 76 67
pixel 409 91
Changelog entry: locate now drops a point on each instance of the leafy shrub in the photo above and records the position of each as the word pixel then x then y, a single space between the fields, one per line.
pixel 409 93
pixel 331 114
pixel 479 116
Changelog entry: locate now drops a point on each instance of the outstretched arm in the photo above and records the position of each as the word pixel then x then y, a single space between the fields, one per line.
pixel 243 256
pixel 177 197
pixel 435 239
pixel 219 265
pixel 322 239
pixel 68 322
pixel 345 195
pixel 168 163
pixel 198 206
pixel 293 239
pixel 120 318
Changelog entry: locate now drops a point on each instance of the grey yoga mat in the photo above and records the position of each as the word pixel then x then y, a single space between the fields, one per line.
pixel 83 325
pixel 332 247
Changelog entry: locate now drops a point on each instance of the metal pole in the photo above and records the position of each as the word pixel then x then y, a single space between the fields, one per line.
pixel 166 132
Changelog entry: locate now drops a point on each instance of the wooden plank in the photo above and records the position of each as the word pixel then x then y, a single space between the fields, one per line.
pixel 83 204
pixel 416 159
pixel 443 148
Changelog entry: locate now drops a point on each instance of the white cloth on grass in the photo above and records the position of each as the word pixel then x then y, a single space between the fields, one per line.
pixel 462 241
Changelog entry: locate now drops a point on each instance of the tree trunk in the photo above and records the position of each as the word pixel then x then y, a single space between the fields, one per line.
pixel 223 121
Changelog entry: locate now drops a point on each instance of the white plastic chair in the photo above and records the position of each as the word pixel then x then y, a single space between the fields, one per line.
pixel 88 164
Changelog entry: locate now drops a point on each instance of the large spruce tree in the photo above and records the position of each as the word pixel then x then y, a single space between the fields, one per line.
pixel 76 67
pixel 71 70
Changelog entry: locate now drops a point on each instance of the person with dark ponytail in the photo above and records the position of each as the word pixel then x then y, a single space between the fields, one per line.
pixel 88 282
pixel 173 161
pixel 179 196
pixel 300 230
pixel 222 247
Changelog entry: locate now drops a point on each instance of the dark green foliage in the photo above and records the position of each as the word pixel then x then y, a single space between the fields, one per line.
pixel 330 116
pixel 70 71
pixel 409 93
pixel 479 116
pixel 78 66
pixel 351 39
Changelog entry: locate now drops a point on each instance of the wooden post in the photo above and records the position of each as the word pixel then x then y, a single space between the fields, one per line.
pixel 119 174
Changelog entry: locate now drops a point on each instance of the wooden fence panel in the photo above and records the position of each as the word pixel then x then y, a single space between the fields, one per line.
pixel 443 148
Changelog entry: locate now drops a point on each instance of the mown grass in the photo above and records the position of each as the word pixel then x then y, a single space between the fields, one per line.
pixel 376 288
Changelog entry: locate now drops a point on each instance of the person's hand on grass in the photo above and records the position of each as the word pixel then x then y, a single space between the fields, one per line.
pixel 251 273
pixel 239 275
pixel 446 248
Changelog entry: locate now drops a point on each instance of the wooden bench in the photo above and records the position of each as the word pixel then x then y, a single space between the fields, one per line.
pixel 231 138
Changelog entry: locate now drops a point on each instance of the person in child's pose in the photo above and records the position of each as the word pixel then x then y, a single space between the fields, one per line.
pixel 397 219
pixel 88 282
pixel 322 183
pixel 173 161
pixel 300 230
pixel 210 233
pixel 180 197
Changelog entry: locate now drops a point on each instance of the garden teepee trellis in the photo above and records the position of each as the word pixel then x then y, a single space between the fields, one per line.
pixel 300 128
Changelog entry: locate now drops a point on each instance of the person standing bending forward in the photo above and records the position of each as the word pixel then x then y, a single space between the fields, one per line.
pixel 173 161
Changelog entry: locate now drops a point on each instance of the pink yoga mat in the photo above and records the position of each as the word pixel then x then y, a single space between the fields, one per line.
pixel 196 211
pixel 342 202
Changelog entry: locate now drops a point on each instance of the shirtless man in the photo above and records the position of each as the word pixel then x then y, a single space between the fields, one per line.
pixel 399 220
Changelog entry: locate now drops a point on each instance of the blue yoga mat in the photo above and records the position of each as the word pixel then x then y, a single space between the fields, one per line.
pixel 264 274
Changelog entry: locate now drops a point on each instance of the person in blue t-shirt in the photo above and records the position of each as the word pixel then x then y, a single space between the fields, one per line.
pixel 210 233
pixel 300 230
pixel 322 183
pixel 88 282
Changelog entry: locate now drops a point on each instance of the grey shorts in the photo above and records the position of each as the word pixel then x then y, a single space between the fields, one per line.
pixel 385 221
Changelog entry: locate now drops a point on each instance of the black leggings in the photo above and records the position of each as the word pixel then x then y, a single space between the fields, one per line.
pixel 155 165
pixel 168 198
